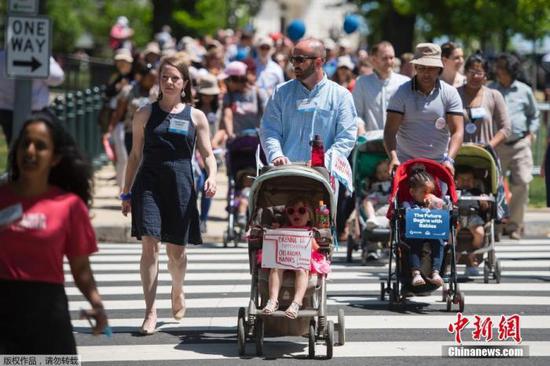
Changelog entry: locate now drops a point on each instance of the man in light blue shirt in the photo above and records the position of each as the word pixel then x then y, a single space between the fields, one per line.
pixel 372 92
pixel 307 106
pixel 515 154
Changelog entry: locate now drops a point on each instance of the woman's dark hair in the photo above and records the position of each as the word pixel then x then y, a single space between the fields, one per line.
pixel 476 58
pixel 179 63
pixel 511 64
pixel 214 104
pixel 448 48
pixel 142 68
pixel 73 173
pixel 419 177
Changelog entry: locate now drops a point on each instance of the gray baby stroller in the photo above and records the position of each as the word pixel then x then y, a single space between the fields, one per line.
pixel 271 190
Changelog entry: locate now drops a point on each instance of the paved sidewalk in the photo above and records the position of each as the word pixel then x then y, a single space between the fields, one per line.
pixel 112 227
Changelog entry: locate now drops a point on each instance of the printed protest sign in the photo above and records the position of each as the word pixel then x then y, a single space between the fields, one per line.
pixel 287 248
pixel 421 223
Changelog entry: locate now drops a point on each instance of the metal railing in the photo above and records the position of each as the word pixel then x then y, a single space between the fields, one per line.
pixel 539 145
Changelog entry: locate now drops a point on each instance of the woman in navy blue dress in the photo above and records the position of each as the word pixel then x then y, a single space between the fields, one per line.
pixel 160 192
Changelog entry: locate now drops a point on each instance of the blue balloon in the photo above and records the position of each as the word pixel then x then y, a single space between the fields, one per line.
pixel 296 29
pixel 351 23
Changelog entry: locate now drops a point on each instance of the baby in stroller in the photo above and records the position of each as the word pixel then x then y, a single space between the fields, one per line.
pixel 421 187
pixel 378 190
pixel 466 183
pixel 299 215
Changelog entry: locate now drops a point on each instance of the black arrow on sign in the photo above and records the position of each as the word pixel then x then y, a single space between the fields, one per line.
pixel 33 63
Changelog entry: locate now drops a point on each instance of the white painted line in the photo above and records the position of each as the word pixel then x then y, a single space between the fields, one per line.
pixel 231 276
pixel 420 321
pixel 332 287
pixel 519 255
pixel 274 348
pixel 235 302
pixel 522 248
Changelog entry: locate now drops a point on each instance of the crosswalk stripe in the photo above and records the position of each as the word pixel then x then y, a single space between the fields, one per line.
pixel 420 321
pixel 235 302
pixel 340 287
pixel 218 351
pixel 193 265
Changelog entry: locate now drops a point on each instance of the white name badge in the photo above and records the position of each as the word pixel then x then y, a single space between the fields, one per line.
pixel 477 113
pixel 11 214
pixel 471 128
pixel 179 126
pixel 305 105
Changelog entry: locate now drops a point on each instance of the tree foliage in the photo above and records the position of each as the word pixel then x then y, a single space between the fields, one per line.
pixel 466 20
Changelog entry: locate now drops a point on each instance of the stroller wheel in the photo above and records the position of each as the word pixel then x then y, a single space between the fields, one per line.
pixel 444 292
pixel 449 302
pixel 330 339
pixel 259 337
pixel 311 338
pixel 225 239
pixel 349 249
pixel 497 271
pixel 486 272
pixel 394 293
pixel 460 301
pixel 241 336
pixel 382 291
pixel 341 327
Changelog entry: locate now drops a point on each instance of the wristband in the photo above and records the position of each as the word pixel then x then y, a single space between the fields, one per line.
pixel 449 159
pixel 125 196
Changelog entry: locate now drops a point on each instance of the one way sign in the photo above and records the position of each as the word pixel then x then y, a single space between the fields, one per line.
pixel 28 46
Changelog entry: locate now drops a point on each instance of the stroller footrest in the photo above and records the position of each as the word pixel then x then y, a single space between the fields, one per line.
pixel 281 314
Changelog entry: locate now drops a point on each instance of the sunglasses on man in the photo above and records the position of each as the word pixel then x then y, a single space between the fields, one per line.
pixel 301 59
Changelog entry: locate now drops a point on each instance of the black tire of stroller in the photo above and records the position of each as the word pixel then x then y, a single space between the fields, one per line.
pixel 498 270
pixel 259 337
pixel 460 302
pixel 382 291
pixel 330 339
pixel 241 337
pixel 311 339
pixel 341 327
pixel 349 249
pixel 449 303
pixel 486 272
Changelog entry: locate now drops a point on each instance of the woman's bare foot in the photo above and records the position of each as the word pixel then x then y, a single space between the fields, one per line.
pixel 149 323
pixel 178 304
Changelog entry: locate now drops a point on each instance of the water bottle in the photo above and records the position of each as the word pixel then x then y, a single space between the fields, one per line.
pixel 317 152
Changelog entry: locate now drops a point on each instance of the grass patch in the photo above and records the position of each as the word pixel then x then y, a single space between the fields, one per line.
pixel 537 193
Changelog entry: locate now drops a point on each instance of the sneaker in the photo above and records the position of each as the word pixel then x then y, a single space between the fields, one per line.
pixel 516 235
pixel 471 272
pixel 203 227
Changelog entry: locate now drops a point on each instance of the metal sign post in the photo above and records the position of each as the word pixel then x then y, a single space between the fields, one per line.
pixel 28 50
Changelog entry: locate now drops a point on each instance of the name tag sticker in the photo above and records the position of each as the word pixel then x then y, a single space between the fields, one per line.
pixel 440 123
pixel 305 105
pixel 179 126
pixel 477 113
pixel 11 214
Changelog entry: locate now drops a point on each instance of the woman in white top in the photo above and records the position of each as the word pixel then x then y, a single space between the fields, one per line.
pixel 452 57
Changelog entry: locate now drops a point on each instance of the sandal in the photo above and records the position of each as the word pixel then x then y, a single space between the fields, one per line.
pixel 292 311
pixel 270 307
pixel 417 279
pixel 436 279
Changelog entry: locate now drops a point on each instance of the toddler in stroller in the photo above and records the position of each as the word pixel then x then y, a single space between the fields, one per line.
pixel 421 188
pixel 465 182
pixel 298 215
pixel 378 192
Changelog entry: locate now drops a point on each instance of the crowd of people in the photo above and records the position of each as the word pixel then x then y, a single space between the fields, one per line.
pixel 175 103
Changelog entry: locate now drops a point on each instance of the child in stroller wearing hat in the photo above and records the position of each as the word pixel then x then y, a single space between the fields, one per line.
pixel 299 215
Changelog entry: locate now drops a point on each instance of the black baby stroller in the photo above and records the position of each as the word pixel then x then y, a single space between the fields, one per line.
pixel 240 160
pixel 397 285
pixel 271 190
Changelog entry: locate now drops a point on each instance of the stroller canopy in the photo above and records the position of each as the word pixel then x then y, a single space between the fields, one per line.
pixel 477 157
pixel 400 187
pixel 279 184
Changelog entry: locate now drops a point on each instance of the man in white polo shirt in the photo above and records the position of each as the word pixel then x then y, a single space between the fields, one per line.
pixel 373 92
pixel 425 114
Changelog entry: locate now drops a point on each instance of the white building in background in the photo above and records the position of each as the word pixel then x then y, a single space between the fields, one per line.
pixel 323 18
